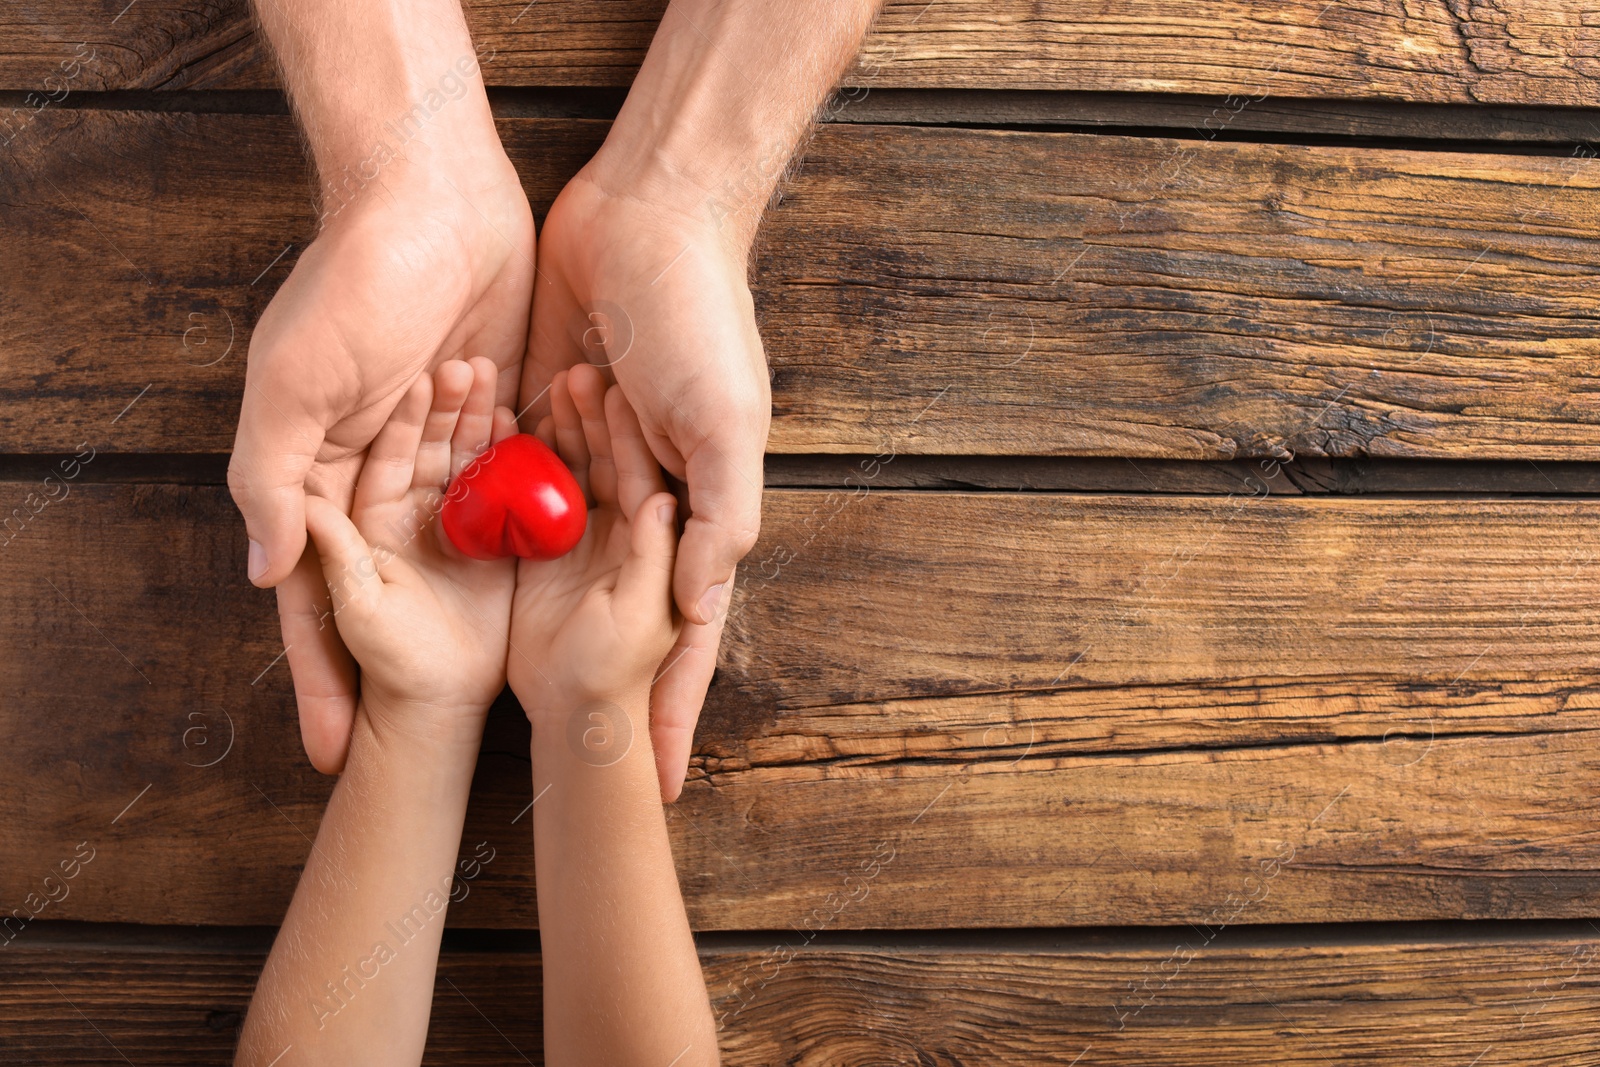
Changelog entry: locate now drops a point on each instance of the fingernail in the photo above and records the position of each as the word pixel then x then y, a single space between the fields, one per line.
pixel 664 512
pixel 258 560
pixel 711 601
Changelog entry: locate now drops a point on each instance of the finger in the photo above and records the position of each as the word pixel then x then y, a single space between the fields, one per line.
pixel 546 432
pixel 724 522
pixel 676 697
pixel 386 475
pixel 348 568
pixel 505 425
pixel 570 445
pixel 589 396
pixel 451 384
pixel 638 474
pixel 323 671
pixel 273 450
pixel 666 453
pixel 335 479
pixel 475 427
pixel 644 582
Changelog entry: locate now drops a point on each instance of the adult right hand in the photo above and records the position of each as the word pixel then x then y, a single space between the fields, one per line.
pixel 432 261
pixel 643 268
pixel 658 296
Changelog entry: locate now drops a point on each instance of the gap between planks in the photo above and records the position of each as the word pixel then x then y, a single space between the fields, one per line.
pixel 1453 127
pixel 979 474
pixel 137 937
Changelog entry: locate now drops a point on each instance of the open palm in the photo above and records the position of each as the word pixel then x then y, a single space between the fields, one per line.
pixel 394 286
pixel 596 623
pixel 426 623
pixel 661 299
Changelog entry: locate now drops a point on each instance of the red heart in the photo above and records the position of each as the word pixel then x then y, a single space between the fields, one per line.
pixel 517 499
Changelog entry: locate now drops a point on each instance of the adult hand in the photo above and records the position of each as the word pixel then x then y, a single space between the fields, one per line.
pixel 659 296
pixel 437 264
pixel 425 255
pixel 642 267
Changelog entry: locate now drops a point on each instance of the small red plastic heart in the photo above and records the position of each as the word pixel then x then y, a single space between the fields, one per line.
pixel 517 499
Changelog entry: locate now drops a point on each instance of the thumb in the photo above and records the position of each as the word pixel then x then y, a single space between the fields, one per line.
pixel 274 448
pixel 724 522
pixel 347 562
pixel 644 583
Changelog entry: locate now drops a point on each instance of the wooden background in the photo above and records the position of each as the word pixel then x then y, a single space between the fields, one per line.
pixel 1178 577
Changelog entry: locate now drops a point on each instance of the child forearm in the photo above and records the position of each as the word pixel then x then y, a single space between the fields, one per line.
pixel 622 982
pixel 351 974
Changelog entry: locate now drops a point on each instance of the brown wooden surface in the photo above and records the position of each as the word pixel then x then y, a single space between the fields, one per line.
pixel 920 290
pixel 1049 709
pixel 1535 51
pixel 1414 997
pixel 1034 667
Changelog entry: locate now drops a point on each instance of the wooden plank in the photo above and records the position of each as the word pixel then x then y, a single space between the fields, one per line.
pixel 1418 996
pixel 1084 710
pixel 1539 52
pixel 920 290
pixel 1032 592
pixel 74 1004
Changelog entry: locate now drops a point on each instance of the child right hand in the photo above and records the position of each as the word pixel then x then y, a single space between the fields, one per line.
pixel 426 623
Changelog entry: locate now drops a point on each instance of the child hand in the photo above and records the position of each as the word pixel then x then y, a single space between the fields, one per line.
pixel 426 623
pixel 596 623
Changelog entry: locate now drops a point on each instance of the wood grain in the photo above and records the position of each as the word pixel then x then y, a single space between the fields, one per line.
pixel 1415 997
pixel 1534 52
pixel 920 290
pixel 950 593
pixel 1081 710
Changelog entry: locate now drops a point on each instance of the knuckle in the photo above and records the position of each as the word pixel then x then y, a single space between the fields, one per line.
pixel 749 400
pixel 239 484
pixel 742 535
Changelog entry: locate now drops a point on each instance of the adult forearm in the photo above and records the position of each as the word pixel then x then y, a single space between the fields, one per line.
pixel 350 977
pixel 622 982
pixel 379 84
pixel 727 92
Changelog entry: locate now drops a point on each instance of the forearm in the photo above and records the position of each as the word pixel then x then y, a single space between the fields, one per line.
pixel 727 92
pixel 350 977
pixel 380 86
pixel 622 982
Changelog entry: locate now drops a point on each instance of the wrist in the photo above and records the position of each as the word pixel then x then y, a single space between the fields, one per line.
pixel 385 90
pixel 592 733
pixel 467 207
pixel 550 701
pixel 698 135
pixel 694 139
pixel 416 161
pixel 444 740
